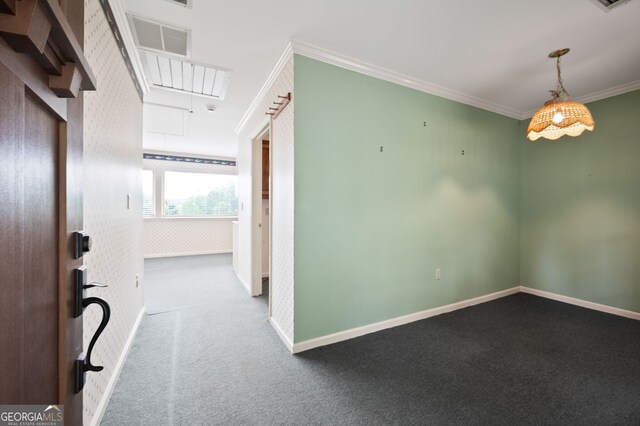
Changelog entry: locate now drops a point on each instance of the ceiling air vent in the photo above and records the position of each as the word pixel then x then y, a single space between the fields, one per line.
pixel 159 37
pixel 610 4
pixel 164 51
pixel 172 73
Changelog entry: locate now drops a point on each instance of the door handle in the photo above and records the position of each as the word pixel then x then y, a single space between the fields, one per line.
pixel 106 316
pixel 83 362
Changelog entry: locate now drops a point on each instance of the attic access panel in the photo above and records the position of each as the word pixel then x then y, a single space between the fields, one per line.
pixel 164 51
pixel 176 74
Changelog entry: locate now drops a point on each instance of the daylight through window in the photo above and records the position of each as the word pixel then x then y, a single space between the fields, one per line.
pixel 199 194
pixel 147 194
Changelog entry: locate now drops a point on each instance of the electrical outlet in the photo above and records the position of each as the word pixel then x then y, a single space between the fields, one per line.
pixel 438 273
pixel 137 280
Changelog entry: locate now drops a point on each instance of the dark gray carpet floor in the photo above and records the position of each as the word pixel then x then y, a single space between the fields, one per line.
pixel 205 354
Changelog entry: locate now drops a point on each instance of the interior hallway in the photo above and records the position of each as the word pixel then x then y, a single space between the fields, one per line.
pixel 205 354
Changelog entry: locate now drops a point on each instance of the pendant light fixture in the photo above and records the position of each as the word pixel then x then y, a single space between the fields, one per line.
pixel 559 116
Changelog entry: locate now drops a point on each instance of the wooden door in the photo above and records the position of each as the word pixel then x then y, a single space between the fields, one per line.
pixel 265 170
pixel 41 70
pixel 29 235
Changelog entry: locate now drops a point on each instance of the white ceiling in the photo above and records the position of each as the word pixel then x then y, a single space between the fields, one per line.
pixel 492 51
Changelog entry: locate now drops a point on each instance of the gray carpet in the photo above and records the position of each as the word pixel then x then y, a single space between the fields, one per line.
pixel 205 354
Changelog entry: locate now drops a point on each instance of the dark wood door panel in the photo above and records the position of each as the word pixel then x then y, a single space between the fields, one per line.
pixel 41 253
pixel 29 235
pixel 11 256
pixel 265 170
pixel 41 192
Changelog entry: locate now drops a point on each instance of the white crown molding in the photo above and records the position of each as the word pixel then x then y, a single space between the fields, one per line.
pixel 118 9
pixel 608 93
pixel 599 95
pixel 582 303
pixel 394 322
pixel 371 70
pixel 284 58
pixel 342 61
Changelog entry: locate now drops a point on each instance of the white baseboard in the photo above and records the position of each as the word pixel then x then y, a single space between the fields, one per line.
pixel 190 253
pixel 394 322
pixel 285 339
pixel 244 284
pixel 102 406
pixel 583 303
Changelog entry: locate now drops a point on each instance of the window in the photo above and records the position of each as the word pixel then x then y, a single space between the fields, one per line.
pixel 147 194
pixel 199 194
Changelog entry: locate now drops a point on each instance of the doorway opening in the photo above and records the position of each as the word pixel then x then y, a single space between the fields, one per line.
pixel 261 214
pixel 265 216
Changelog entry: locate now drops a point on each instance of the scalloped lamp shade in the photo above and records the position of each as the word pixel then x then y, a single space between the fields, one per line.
pixel 559 117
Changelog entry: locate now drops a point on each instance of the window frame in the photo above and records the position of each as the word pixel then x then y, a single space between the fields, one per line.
pixel 161 201
pixel 154 210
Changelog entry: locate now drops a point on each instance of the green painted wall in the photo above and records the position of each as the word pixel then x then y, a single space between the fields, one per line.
pixel 581 209
pixel 371 227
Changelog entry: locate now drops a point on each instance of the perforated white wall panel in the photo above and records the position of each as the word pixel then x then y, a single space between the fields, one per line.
pixel 282 199
pixel 282 220
pixel 112 165
pixel 181 237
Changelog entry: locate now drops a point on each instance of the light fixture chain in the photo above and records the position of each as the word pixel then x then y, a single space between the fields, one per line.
pixel 561 88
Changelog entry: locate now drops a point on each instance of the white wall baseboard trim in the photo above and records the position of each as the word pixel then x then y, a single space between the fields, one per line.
pixel 190 253
pixel 282 335
pixel 583 303
pixel 394 322
pixel 102 406
pixel 244 284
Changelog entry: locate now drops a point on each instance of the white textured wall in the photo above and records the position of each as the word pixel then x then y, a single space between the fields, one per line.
pixel 188 236
pixel 112 164
pixel 244 209
pixel 282 237
pixel 165 237
pixel 282 221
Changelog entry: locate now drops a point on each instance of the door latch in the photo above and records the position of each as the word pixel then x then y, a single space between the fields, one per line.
pixel 81 244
